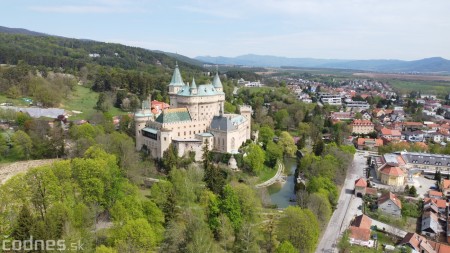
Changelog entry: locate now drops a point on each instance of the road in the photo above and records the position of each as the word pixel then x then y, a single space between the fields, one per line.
pixel 347 207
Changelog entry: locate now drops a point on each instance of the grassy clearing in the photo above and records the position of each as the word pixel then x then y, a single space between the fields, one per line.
pixel 426 87
pixel 255 89
pixel 84 100
pixel 266 173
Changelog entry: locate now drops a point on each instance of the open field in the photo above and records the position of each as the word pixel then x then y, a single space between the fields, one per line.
pixel 404 76
pixel 9 170
pixel 425 87
pixel 84 100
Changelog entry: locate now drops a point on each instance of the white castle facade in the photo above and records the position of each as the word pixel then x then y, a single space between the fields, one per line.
pixel 196 117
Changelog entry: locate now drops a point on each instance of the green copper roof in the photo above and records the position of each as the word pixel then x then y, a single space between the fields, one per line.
pixel 174 115
pixel 216 81
pixel 202 90
pixel 176 77
pixel 193 84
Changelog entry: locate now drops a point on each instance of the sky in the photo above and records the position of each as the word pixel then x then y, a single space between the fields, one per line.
pixel 327 29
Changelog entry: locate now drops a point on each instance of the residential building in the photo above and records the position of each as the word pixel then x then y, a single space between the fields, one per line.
pixel 359 231
pixel 356 106
pixel 330 99
pixel 419 243
pixel 391 175
pixel 389 204
pixel 360 187
pixel 362 126
pixel 367 143
pixel 430 226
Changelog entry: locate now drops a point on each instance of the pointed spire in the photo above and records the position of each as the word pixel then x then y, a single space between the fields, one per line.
pixel 193 84
pixel 177 80
pixel 216 81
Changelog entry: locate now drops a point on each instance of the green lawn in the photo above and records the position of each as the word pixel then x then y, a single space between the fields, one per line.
pixel 266 174
pixel 84 100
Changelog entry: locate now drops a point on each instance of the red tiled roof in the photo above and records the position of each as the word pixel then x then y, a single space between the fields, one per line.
pixel 361 234
pixel 362 221
pixel 440 203
pixel 446 184
pixel 435 193
pixel 378 142
pixel 361 182
pixel 362 122
pixel 392 171
pixel 393 132
pixel 390 196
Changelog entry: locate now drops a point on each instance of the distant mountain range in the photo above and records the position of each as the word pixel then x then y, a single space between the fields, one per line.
pixel 4 29
pixel 428 65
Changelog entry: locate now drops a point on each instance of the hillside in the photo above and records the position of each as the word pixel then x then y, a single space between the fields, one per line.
pixel 66 53
pixel 428 65
pixel 4 29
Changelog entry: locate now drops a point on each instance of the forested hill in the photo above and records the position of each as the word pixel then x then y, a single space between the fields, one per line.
pixel 67 53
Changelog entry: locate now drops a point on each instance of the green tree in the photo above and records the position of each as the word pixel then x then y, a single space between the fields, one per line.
pixel 254 158
pixel 134 236
pixel 273 153
pixel 22 144
pixel 299 227
pixel 318 147
pixel 286 247
pixel 266 134
pixel 24 224
pixel 287 143
pixel 229 107
pixel 231 207
pixel 281 118
pixel 320 205
pixel 170 158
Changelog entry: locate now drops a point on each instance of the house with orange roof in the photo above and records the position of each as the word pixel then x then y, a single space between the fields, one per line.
pixel 359 231
pixel 435 194
pixel 445 187
pixel 419 243
pixel 440 204
pixel 360 187
pixel 388 203
pixel 359 126
pixel 390 134
pixel 392 175
pixel 370 144
pixel 430 226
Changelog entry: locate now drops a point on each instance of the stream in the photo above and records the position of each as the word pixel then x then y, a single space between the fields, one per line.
pixel 281 194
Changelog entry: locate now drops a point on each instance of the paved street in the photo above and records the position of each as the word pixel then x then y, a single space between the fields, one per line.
pixel 347 207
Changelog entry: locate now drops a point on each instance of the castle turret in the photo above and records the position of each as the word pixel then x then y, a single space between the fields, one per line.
pixel 217 83
pixel 141 117
pixel 176 83
pixel 246 112
pixel 193 87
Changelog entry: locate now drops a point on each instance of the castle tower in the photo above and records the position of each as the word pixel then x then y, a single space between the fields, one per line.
pixel 141 117
pixel 246 112
pixel 193 87
pixel 175 85
pixel 217 83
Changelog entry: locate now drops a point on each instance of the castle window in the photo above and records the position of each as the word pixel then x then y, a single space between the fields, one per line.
pixel 178 133
pixel 165 138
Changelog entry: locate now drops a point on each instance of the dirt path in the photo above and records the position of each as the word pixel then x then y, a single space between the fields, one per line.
pixel 11 169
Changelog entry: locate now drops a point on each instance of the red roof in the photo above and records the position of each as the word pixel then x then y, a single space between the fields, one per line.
pixel 440 203
pixel 360 234
pixel 390 196
pixel 362 122
pixel 393 132
pixel 446 184
pixel 371 191
pixel 392 171
pixel 361 182
pixel 362 221
pixel 435 193
pixel 362 141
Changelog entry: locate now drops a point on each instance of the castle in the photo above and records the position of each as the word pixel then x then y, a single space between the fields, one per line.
pixel 195 117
